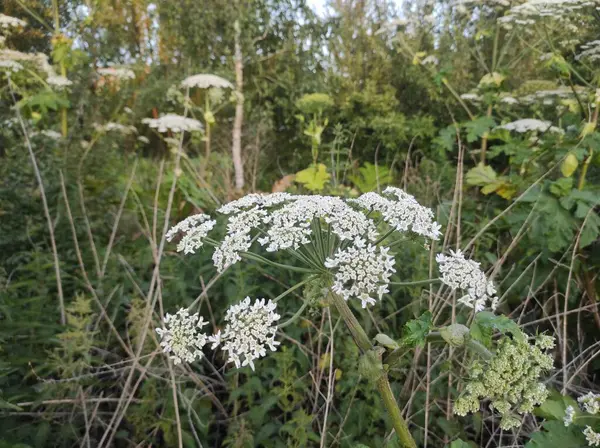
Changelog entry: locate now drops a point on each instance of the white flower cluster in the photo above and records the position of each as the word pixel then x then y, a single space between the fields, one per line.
pixel 471 97
pixel 39 59
pixel 532 10
pixel 250 330
pixel 592 437
pixel 569 415
pixel 194 229
pixel 461 273
pixel 290 226
pixel 173 122
pixel 529 125
pixel 10 65
pixel 431 59
pixel 281 221
pixel 589 403
pixel 401 211
pixel 205 81
pixel 8 22
pixel 509 100
pixel 116 72
pixel 591 51
pixel 60 82
pixel 361 271
pixel 183 336
pixel 117 127
pixel 49 133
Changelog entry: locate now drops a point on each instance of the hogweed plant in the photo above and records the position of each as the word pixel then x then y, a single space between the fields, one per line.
pixel 345 248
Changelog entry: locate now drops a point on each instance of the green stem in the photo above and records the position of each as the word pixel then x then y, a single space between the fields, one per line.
pixel 383 385
pixel 404 436
pixel 292 319
pixel 416 283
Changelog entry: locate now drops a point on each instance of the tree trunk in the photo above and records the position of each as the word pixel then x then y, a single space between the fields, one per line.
pixel 236 146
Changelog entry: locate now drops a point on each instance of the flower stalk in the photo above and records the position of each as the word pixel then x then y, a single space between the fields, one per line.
pixel 383 385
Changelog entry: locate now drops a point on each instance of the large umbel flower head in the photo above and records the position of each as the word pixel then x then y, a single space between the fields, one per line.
pixel 345 239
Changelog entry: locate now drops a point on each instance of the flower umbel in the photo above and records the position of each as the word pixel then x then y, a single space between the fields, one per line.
pixel 510 380
pixel 183 336
pixel 194 229
pixel 459 272
pixel 249 331
pixel 363 271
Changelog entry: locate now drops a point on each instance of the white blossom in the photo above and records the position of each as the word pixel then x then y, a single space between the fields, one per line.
pixel 250 200
pixel 250 330
pixel 509 100
pixel 431 59
pixel 461 273
pixel 11 66
pixel 60 82
pixel 592 437
pixel 116 72
pixel 183 336
pixel 194 229
pixel 401 211
pixel 49 133
pixel 7 22
pixel 470 97
pixel 590 403
pixel 361 271
pixel 173 122
pixel 530 11
pixel 290 226
pixel 118 127
pixel 143 139
pixel 591 51
pixel 569 414
pixel 529 125
pixel 205 81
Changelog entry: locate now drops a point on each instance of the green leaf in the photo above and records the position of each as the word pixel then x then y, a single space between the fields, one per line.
pixel 557 435
pixel 44 101
pixel 569 165
pixel 314 177
pixel 481 175
pixel 554 406
pixel 446 139
pixel 486 322
pixel 371 177
pixel 478 127
pixel 416 330
pixel 459 443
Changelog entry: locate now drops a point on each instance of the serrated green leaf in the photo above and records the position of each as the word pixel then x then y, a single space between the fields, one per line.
pixel 416 330
pixel 314 177
pixel 476 128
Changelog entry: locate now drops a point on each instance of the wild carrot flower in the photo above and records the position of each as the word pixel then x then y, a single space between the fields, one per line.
pixel 7 22
pixel 60 82
pixel 116 72
pixel 250 330
pixel 183 336
pixel 592 437
pixel 590 403
pixel 569 415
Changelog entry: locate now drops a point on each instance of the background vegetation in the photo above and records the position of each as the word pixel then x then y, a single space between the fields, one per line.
pixel 80 364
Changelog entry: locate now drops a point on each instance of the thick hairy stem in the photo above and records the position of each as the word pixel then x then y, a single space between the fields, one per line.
pixel 406 439
pixel 383 385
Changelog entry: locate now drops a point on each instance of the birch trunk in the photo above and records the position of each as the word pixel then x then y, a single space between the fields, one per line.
pixel 236 146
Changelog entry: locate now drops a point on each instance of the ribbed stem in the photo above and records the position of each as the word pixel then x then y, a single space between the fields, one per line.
pixel 383 385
